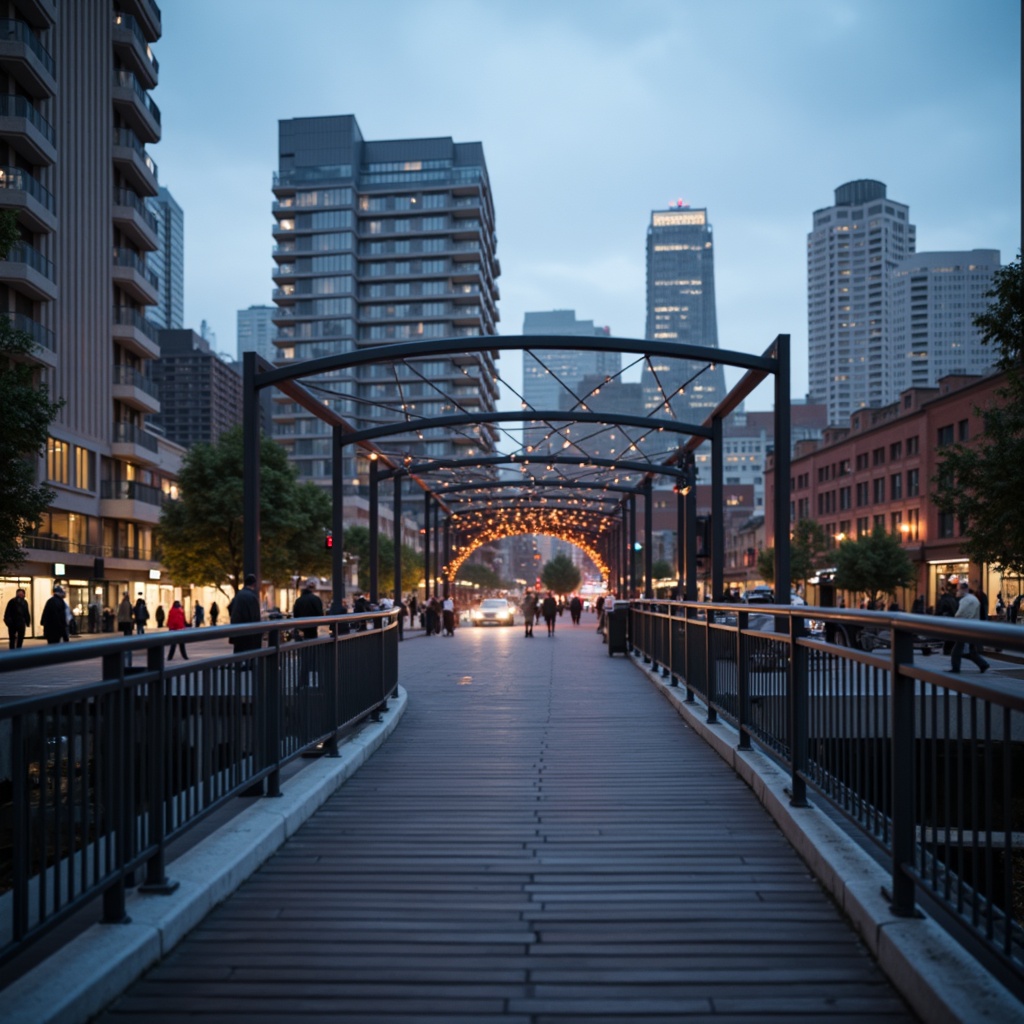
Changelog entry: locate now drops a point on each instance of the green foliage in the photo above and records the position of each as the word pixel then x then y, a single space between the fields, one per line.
pixel 357 542
pixel 201 534
pixel 560 575
pixel 979 483
pixel 482 575
pixel 808 552
pixel 28 413
pixel 874 565
pixel 662 570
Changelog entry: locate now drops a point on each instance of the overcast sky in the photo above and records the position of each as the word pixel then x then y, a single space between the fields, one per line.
pixel 592 113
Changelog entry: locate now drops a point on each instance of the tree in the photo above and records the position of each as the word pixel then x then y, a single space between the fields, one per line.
pixel 357 543
pixel 201 533
pixel 979 483
pixel 485 577
pixel 874 565
pixel 560 575
pixel 28 413
pixel 662 570
pixel 807 553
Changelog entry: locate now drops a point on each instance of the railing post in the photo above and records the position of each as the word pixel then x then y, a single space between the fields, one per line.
pixel 712 667
pixel 689 654
pixel 797 683
pixel 904 779
pixel 742 681
pixel 333 692
pixel 156 751
pixel 118 753
pixel 272 699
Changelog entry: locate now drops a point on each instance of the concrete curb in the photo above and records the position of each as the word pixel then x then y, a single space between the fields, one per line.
pixel 93 969
pixel 936 976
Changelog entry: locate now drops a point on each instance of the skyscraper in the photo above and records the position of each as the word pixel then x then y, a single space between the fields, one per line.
pixel 681 308
pixel 935 298
pixel 167 261
pixel 78 283
pixel 379 242
pixel 851 253
pixel 256 331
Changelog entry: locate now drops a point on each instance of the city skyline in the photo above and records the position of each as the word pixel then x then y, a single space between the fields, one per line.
pixel 761 148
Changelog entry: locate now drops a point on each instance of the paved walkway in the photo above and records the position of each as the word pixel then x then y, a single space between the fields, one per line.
pixel 542 839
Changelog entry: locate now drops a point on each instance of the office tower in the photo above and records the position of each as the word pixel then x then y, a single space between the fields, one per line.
pixel 256 331
pixel 167 261
pixel 681 309
pixel 200 394
pixel 935 298
pixel 77 117
pixel 851 253
pixel 381 242
pixel 546 377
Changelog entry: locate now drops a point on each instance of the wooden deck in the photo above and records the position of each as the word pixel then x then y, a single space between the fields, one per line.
pixel 541 840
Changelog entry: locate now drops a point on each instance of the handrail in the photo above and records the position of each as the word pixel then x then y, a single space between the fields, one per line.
pixel 19 178
pixel 923 761
pixel 12 29
pixel 103 777
pixel 19 106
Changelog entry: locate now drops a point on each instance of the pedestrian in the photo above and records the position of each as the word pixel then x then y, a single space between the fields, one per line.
pixel 982 600
pixel 575 609
pixel 1000 607
pixel 969 607
pixel 55 617
pixel 360 605
pixel 17 617
pixel 124 615
pixel 308 606
pixel 917 608
pixel 199 615
pixel 176 621
pixel 413 609
pixel 448 615
pixel 214 613
pixel 245 607
pixel 95 616
pixel 141 615
pixel 946 608
pixel 599 608
pixel 549 609
pixel 160 616
pixel 403 614
pixel 1014 613
pixel 529 611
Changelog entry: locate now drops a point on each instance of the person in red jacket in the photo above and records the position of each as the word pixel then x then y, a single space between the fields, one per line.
pixel 176 620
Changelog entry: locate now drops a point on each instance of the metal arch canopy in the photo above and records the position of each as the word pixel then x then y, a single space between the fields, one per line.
pixel 774 362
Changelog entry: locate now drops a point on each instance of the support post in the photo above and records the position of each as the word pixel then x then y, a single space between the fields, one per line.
pixel 447 560
pixel 397 512
pixel 374 529
pixel 250 468
pixel 717 507
pixel 783 423
pixel 426 545
pixel 337 521
pixel 632 546
pixel 691 544
pixel 648 533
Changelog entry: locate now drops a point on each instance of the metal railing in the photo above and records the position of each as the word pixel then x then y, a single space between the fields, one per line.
pixel 98 779
pixel 41 335
pixel 17 178
pixel 927 763
pixel 19 31
pixel 129 433
pixel 19 106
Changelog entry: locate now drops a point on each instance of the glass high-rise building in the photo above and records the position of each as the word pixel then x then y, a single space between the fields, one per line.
pixel 681 309
pixel 167 261
pixel 852 251
pixel 380 242
pixel 256 331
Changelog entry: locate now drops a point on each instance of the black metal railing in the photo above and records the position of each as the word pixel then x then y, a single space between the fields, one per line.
pixel 97 780
pixel 927 763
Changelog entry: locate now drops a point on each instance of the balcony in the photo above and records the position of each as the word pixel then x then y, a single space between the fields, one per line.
pixel 134 389
pixel 134 333
pixel 134 443
pixel 131 274
pixel 134 162
pixel 25 59
pixel 148 15
pixel 126 499
pixel 35 206
pixel 24 128
pixel 134 220
pixel 131 46
pixel 28 271
pixel 136 106
pixel 40 14
pixel 44 338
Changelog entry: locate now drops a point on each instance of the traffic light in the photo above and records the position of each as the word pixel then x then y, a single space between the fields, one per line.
pixel 637 546
pixel 329 541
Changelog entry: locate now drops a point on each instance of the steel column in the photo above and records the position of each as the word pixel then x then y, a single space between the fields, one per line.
pixel 426 545
pixel 717 509
pixel 783 424
pixel 337 520
pixel 397 512
pixel 374 529
pixel 250 469
pixel 447 556
pixel 648 533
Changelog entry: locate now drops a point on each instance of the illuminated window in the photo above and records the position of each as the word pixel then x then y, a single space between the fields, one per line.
pixel 57 461
pixel 83 468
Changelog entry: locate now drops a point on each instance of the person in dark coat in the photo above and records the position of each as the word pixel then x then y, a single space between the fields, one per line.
pixel 529 611
pixel 176 621
pixel 160 616
pixel 141 615
pixel 245 607
pixel 549 609
pixel 575 609
pixel 55 618
pixel 214 613
pixel 947 607
pixel 308 606
pixel 124 615
pixel 17 616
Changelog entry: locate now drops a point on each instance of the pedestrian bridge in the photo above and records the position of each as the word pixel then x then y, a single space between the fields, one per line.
pixel 539 835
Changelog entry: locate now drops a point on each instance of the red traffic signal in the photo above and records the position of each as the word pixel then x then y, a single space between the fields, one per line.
pixel 329 541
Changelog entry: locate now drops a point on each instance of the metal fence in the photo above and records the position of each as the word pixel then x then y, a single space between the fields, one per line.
pixel 96 780
pixel 929 764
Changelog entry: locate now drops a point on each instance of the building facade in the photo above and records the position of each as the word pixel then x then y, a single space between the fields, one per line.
pixel 256 331
pixel 681 309
pixel 200 394
pixel 79 283
pixel 379 242
pixel 935 298
pixel 852 251
pixel 167 261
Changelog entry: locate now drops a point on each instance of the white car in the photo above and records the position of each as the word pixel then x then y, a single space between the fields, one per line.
pixel 493 611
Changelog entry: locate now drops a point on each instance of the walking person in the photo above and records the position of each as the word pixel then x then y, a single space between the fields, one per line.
pixel 55 618
pixel 176 621
pixel 448 615
pixel 214 613
pixel 245 607
pixel 549 609
pixel 308 606
pixel 575 609
pixel 124 615
pixel 968 608
pixel 529 611
pixel 141 615
pixel 199 615
pixel 17 617
pixel 160 616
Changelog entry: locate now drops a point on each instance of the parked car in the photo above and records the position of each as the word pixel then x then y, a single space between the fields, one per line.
pixel 493 611
pixel 759 595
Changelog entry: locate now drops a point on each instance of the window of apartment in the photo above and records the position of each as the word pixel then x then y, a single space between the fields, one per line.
pixel 913 483
pixel 84 468
pixel 844 467
pixel 896 487
pixel 879 521
pixel 895 522
pixel 862 460
pixel 946 524
pixel 913 524
pixel 803 508
pixel 896 451
pixel 878 490
pixel 912 445
pixel 878 457
pixel 844 498
pixel 863 526
pixel 945 437
pixel 57 461
pixel 862 494
pixel 963 430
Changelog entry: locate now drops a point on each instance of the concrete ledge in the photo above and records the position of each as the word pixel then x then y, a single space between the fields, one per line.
pixel 93 969
pixel 936 976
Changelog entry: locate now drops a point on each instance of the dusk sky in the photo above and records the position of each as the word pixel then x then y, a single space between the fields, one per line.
pixel 592 113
